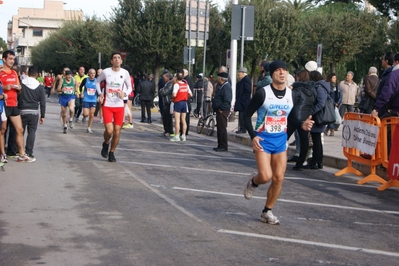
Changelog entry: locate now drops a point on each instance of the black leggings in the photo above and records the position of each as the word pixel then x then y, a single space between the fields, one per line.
pixel 303 140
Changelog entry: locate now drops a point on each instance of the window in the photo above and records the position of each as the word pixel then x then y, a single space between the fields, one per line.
pixel 37 33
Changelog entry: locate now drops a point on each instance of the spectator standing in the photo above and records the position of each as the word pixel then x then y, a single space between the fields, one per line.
pixel 198 91
pixel 369 93
pixel 146 89
pixel 322 92
pixel 349 92
pixel 336 95
pixel 31 97
pixel 387 62
pixel 265 78
pixel 243 97
pixel 221 104
pixel 166 94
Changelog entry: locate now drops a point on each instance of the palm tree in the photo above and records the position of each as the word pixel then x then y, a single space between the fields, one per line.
pixel 298 5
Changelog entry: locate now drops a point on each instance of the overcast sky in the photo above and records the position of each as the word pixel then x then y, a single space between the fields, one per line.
pixel 99 8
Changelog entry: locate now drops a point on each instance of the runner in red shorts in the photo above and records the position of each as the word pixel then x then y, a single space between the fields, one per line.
pixel 118 86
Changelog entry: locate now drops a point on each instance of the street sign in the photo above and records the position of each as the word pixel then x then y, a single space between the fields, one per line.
pixel 189 57
pixel 240 26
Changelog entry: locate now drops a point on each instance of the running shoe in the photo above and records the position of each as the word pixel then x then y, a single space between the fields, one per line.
pixel 83 120
pixel 128 125
pixel 104 151
pixel 71 124
pixel 77 120
pixel 25 158
pixel 3 158
pixel 111 157
pixel 175 139
pixel 269 218
pixel 65 129
pixel 183 137
pixel 12 155
pixel 32 157
pixel 89 130
pixel 249 189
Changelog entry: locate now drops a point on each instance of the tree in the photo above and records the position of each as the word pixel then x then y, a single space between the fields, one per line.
pixel 277 33
pixel 387 7
pixel 76 43
pixel 3 44
pixel 298 5
pixel 344 33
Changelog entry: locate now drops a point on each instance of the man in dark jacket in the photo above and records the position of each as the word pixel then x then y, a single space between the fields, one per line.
pixel 32 96
pixel 166 93
pixel 243 97
pixel 146 89
pixel 198 90
pixel 221 104
pixel 370 84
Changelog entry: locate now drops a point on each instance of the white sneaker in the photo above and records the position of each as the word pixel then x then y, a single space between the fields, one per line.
pixel 3 158
pixel 71 125
pixel 26 158
pixel 89 131
pixel 249 189
pixel 175 139
pixel 183 137
pixel 269 218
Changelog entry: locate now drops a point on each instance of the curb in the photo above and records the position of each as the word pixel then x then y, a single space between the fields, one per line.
pixel 328 160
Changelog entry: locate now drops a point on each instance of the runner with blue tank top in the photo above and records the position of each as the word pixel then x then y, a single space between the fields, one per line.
pixel 273 104
pixel 66 89
pixel 89 98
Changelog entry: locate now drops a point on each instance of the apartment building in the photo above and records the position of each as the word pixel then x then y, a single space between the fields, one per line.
pixel 32 25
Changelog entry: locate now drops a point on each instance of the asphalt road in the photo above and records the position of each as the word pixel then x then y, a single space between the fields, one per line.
pixel 167 203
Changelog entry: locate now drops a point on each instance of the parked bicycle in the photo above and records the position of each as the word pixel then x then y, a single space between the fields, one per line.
pixel 207 121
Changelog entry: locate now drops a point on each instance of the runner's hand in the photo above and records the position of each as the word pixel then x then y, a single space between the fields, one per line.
pixel 256 144
pixel 307 124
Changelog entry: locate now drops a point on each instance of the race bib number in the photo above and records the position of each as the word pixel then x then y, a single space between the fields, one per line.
pixel 91 92
pixel 114 93
pixel 275 124
pixel 68 90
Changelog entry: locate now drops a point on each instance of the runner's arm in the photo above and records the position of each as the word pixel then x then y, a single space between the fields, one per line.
pixel 256 102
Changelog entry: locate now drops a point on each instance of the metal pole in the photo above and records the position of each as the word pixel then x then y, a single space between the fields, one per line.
pixel 233 64
pixel 242 35
pixel 205 31
pixel 189 37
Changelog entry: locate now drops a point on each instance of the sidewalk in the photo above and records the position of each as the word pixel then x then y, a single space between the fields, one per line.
pixel 332 149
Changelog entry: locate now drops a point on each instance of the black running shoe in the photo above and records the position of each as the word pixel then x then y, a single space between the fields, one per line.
pixel 104 151
pixel 111 157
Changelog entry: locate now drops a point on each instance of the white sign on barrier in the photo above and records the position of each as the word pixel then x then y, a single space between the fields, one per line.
pixel 360 135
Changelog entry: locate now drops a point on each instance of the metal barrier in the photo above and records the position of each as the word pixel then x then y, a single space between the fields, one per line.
pixel 353 154
pixel 389 125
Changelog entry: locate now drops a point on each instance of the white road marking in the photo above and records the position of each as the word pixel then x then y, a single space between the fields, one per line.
pixel 290 201
pixel 312 243
pixel 184 154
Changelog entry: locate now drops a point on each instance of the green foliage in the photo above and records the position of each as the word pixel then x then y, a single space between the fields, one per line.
pixel 343 30
pixel 76 43
pixel 3 44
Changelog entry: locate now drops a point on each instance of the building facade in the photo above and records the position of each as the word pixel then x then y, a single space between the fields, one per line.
pixel 33 25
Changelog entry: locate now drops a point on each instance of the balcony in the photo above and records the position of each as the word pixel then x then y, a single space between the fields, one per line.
pixel 21 42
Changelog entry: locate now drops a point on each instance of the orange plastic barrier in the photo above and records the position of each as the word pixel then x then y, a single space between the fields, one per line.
pixel 389 124
pixel 354 154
